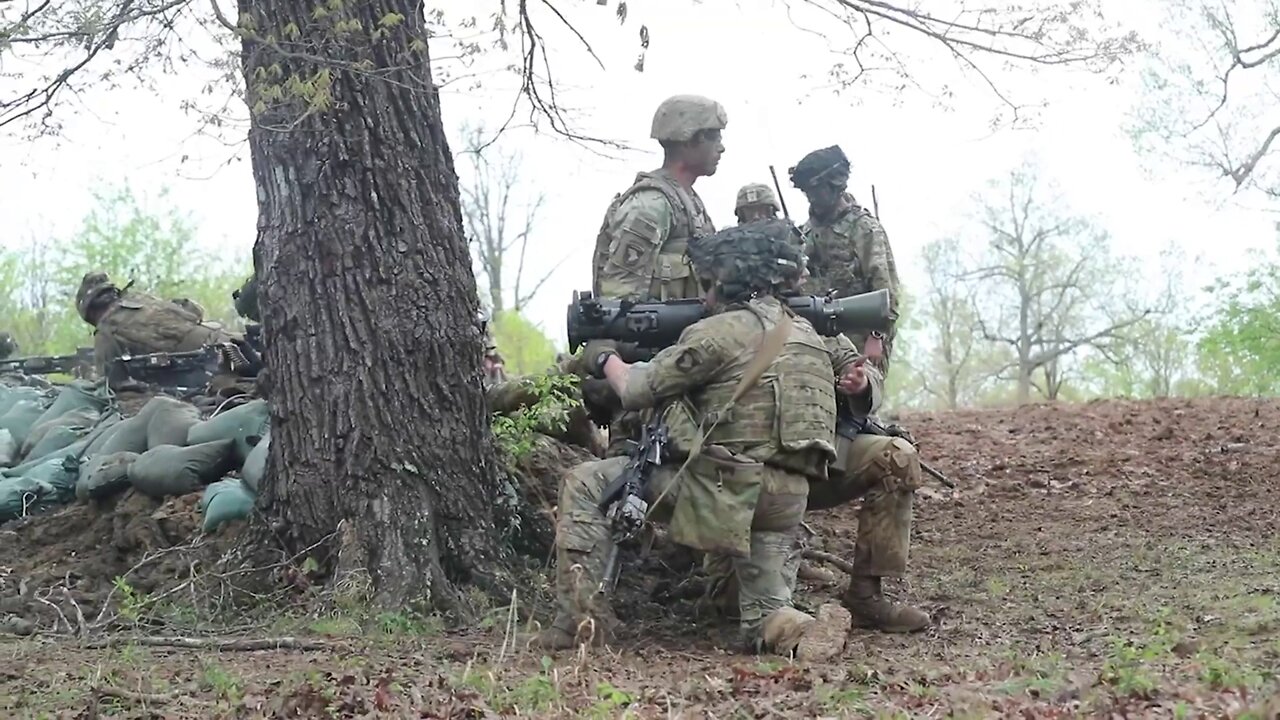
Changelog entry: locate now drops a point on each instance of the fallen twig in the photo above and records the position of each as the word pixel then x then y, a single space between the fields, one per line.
pixel 838 562
pixel 152 698
pixel 280 643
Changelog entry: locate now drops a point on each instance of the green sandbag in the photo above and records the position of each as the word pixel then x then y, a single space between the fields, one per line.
pixel 60 473
pixel 131 435
pixel 82 419
pixel 78 395
pixel 255 466
pixel 224 501
pixel 22 496
pixel 57 439
pixel 10 396
pixel 80 450
pixel 104 475
pixel 102 432
pixel 172 470
pixel 245 424
pixel 21 419
pixel 8 449
pixel 170 421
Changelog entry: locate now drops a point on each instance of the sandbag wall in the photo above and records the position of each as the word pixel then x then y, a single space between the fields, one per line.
pixel 57 446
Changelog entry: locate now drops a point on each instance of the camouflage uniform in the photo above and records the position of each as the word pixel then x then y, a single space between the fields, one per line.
pixel 756 201
pixel 884 473
pixel 491 361
pixel 8 346
pixel 641 249
pixel 129 323
pixel 737 474
pixel 850 253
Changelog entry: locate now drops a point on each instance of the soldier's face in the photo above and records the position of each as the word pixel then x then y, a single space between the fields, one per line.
pixel 823 197
pixel 752 213
pixel 703 155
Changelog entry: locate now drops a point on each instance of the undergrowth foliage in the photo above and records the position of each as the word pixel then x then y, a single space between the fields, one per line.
pixel 557 396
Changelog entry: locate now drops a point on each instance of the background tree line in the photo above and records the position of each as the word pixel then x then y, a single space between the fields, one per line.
pixel 155 248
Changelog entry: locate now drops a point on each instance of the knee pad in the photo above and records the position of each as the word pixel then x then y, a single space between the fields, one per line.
pixel 901 464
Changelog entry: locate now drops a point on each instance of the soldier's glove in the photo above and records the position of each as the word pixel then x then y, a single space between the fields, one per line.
pixel 600 401
pixel 596 354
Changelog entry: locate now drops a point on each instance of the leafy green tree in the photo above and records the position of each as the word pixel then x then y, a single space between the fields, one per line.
pixel 156 250
pixel 1240 348
pixel 525 349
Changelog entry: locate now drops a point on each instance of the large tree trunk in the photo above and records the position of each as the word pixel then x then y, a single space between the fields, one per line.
pixel 369 303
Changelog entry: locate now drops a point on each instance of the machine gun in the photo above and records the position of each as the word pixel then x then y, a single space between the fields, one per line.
pixel 623 502
pixel 183 371
pixel 49 364
pixel 651 326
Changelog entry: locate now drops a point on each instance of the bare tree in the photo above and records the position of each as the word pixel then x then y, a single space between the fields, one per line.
pixel 1211 89
pixel 1046 283
pixel 499 224
pixel 953 369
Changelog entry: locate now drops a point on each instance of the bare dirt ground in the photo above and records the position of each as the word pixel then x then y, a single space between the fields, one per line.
pixel 1114 559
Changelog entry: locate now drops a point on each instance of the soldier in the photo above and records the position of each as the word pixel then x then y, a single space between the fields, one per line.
pixel 884 473
pixel 641 248
pixel 748 399
pixel 8 346
pixel 246 300
pixel 756 202
pixel 848 250
pixel 494 369
pixel 131 323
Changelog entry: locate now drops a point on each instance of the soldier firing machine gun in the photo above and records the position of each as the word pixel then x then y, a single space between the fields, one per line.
pixel 647 327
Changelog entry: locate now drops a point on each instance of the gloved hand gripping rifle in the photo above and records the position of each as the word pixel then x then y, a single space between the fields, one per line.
pixel 623 502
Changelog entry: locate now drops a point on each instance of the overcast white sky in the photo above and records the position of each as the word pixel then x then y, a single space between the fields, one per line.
pixel 925 162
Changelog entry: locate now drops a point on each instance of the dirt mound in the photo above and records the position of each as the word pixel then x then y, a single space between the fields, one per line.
pixel 1110 559
pixel 72 556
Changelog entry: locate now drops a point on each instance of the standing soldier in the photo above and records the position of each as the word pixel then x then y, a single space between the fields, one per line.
pixel 756 202
pixel 848 250
pixel 641 250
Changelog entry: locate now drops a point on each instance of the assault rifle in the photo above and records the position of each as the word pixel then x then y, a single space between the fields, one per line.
pixel 623 502
pixel 848 427
pixel 651 326
pixel 48 364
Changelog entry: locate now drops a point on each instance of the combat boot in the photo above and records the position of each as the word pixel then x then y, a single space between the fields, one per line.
pixel 566 634
pixel 870 609
pixel 787 631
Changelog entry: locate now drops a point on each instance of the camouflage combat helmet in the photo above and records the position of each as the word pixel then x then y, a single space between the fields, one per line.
pixel 93 286
pixel 828 165
pixel 756 194
pixel 8 346
pixel 680 117
pixel 246 300
pixel 750 258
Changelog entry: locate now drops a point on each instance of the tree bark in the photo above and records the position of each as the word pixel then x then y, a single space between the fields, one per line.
pixel 378 419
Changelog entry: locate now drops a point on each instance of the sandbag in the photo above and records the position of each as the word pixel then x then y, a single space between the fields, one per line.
pixel 103 475
pixel 172 470
pixel 21 418
pixel 22 496
pixel 77 395
pixel 81 419
pixel 60 473
pixel 224 501
pixel 8 448
pixel 102 432
pixel 255 466
pixel 59 438
pixel 79 450
pixel 170 422
pixel 245 425
pixel 10 396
